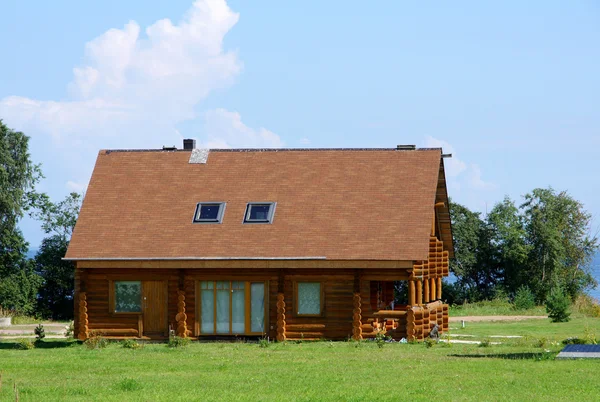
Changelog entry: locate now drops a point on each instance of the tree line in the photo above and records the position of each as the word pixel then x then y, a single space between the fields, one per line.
pixel 42 286
pixel 545 244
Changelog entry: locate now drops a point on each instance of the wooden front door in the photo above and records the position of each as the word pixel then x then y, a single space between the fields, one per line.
pixel 154 304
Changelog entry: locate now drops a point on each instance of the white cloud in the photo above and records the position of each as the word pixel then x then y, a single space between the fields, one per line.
pixel 133 89
pixel 304 141
pixel 464 180
pixel 225 129
pixel 131 80
pixel 76 187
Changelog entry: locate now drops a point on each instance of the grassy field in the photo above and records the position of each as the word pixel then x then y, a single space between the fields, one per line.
pixel 518 369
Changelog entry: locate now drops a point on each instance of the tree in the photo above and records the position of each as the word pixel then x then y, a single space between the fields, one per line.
pixel 18 176
pixel 473 264
pixel 509 240
pixel 560 246
pixel 55 297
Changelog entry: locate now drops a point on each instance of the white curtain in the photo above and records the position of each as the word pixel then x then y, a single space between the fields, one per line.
pixel 257 311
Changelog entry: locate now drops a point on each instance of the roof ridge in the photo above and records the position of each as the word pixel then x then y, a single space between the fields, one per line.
pixel 273 149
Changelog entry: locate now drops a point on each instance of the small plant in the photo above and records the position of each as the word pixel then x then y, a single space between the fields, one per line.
pixel 40 333
pixel 96 341
pixel 557 305
pixel 263 342
pixel 130 344
pixel 70 330
pixel 429 342
pixel 540 343
pixel 178 342
pixel 381 338
pixel 485 343
pixel 573 341
pixel 524 298
pixel 6 313
pixel 24 344
pixel 590 335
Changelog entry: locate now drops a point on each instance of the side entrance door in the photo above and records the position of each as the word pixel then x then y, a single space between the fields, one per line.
pixel 154 308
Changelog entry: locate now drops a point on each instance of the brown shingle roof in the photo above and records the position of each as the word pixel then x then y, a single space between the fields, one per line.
pixel 337 204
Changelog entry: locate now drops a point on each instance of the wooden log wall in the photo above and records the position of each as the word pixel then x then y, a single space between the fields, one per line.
pixel 346 297
pixel 422 319
pixel 427 275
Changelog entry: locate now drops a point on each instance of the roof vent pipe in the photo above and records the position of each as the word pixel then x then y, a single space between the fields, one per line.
pixel 406 147
pixel 189 144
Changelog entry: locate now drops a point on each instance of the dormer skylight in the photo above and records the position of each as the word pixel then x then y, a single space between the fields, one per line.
pixel 259 212
pixel 209 212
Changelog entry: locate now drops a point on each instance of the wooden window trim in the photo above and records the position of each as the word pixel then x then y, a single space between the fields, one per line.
pixel 111 298
pixel 322 306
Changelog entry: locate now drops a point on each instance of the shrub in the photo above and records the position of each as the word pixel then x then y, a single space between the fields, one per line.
pixel 24 344
pixel 263 342
pixel 540 343
pixel 524 298
pixel 96 341
pixel 381 338
pixel 130 344
pixel 485 343
pixel 573 341
pixel 70 330
pixel 429 342
pixel 587 305
pixel 557 305
pixel 40 333
pixel 178 342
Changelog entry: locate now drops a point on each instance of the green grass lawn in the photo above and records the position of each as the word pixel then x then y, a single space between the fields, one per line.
pixel 335 371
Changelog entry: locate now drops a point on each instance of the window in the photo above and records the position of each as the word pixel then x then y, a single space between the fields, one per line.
pixel 127 296
pixel 231 307
pixel 259 212
pixel 209 212
pixel 309 298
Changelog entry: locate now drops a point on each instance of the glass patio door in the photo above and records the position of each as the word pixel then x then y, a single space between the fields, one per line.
pixel 232 307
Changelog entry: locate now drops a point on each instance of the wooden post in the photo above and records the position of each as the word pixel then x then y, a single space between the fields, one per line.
pixel 411 293
pixel 280 308
pixel 439 288
pixel 432 289
pixel 83 317
pixel 356 318
pixel 410 325
pixel 357 312
pixel 181 317
pixel 419 292
pixel 280 317
pixel 426 293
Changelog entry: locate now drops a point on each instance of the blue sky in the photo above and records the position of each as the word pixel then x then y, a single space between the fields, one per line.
pixel 512 89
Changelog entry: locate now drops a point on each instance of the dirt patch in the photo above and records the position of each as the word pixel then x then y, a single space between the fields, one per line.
pixel 474 318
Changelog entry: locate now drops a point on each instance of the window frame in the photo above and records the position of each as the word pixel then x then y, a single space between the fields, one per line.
pixel 112 298
pixel 270 215
pixel 247 307
pixel 296 299
pixel 220 214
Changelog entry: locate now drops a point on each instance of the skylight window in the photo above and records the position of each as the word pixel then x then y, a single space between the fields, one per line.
pixel 209 212
pixel 259 212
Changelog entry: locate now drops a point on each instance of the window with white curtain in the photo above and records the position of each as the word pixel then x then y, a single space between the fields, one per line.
pixel 308 298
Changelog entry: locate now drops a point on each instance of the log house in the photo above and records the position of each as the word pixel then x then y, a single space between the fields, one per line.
pixel 285 243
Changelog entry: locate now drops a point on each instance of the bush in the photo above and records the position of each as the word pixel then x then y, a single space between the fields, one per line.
pixel 40 333
pixel 24 344
pixel 263 342
pixel 178 342
pixel 557 305
pixel 96 341
pixel 573 341
pixel 381 338
pixel 130 344
pixel 524 298
pixel 485 343
pixel 429 342
pixel 587 305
